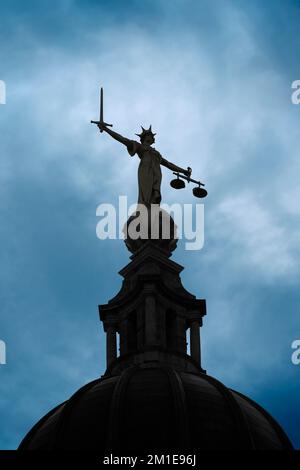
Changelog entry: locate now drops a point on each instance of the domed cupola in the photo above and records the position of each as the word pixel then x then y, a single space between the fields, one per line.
pixel 155 395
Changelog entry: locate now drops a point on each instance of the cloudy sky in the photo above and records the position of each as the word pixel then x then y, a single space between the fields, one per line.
pixel 214 80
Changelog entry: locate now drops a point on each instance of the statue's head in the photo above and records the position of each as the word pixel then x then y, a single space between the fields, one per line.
pixel 146 136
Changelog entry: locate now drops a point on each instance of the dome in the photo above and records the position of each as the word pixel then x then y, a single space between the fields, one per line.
pixel 156 407
pixel 154 395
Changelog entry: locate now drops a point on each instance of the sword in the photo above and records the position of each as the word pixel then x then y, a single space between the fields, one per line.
pixel 101 121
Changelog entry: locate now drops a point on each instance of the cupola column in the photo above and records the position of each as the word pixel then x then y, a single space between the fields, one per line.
pixel 195 341
pixel 111 344
pixel 150 320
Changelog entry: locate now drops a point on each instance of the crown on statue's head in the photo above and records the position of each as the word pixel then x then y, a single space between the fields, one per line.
pixel 145 132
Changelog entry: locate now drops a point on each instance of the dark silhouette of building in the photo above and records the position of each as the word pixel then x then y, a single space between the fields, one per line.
pixel 154 395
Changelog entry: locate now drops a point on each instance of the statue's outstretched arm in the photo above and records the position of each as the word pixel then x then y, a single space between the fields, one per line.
pixel 114 135
pixel 176 168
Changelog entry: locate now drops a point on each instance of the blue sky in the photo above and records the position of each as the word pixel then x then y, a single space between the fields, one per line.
pixel 214 80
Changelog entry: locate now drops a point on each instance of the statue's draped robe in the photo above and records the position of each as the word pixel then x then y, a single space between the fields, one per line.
pixel 149 172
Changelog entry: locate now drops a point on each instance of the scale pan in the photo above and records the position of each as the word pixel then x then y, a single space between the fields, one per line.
pixel 199 192
pixel 177 183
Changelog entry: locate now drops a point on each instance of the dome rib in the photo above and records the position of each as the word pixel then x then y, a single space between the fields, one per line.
pixel 272 422
pixel 68 408
pixel 25 443
pixel 244 435
pixel 179 399
pixel 116 407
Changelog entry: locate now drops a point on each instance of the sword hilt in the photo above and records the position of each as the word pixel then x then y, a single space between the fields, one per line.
pixel 103 123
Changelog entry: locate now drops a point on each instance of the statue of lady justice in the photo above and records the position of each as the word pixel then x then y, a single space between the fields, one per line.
pixel 149 183
pixel 149 172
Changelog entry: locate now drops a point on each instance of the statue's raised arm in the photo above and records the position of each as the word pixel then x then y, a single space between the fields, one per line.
pixel 113 134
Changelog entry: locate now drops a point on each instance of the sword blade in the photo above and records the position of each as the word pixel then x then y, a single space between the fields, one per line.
pixel 101 104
